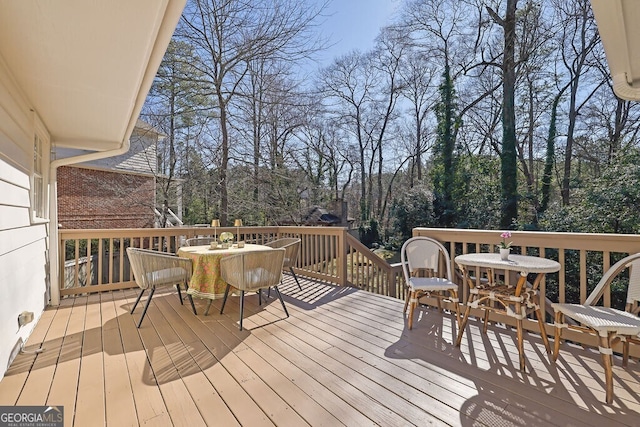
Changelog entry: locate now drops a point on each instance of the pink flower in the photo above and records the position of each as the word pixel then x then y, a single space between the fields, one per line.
pixel 504 245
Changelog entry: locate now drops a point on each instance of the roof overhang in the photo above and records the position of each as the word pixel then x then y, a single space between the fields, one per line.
pixel 620 33
pixel 86 67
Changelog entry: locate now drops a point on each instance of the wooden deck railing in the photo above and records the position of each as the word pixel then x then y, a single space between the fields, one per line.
pixel 368 271
pixel 95 259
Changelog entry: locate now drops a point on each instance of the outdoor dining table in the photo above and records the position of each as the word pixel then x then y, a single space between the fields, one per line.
pixel 206 281
pixel 512 299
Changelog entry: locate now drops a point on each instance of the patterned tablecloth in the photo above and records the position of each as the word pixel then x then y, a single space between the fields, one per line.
pixel 206 281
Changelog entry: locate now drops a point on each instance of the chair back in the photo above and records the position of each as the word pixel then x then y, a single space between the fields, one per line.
pixel 292 247
pixel 153 268
pixel 253 270
pixel 633 291
pixel 427 254
pixel 199 241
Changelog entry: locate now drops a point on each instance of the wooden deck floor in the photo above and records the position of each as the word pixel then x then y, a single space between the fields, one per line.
pixel 344 357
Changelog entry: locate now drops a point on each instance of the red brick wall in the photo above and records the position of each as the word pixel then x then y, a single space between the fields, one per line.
pixel 90 198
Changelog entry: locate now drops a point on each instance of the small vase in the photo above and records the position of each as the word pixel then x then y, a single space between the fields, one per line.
pixel 504 254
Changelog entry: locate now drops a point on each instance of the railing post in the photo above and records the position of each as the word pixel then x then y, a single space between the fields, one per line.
pixel 391 283
pixel 341 258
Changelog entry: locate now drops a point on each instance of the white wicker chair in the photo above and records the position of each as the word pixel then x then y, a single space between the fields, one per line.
pixel 252 271
pixel 423 260
pixel 609 324
pixel 152 269
pixel 292 246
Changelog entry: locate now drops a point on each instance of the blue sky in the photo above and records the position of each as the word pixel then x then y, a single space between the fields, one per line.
pixel 354 24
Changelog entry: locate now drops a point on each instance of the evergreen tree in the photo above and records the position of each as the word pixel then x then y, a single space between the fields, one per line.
pixel 444 163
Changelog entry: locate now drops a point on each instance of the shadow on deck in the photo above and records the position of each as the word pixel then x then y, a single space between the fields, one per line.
pixel 343 357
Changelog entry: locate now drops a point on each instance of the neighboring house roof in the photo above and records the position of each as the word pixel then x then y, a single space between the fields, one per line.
pixel 617 22
pixel 140 159
pixel 318 215
pixel 86 66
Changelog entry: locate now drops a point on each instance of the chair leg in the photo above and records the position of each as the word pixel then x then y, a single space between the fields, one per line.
pixel 241 307
pixel 413 301
pixel 406 302
pixel 454 299
pixel 259 296
pixel 625 353
pixel 206 312
pixel 557 334
pixel 146 306
pixel 463 325
pixel 224 300
pixel 281 300
pixel 485 322
pixel 193 306
pixel 520 335
pixel 179 294
pixel 607 361
pixel 137 301
pixel 295 277
pixel 543 330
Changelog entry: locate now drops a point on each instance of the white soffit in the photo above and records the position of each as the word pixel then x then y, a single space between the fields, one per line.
pixel 84 64
pixel 620 33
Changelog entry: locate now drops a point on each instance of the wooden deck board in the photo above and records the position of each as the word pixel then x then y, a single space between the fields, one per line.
pixel 90 404
pixel 119 403
pixel 150 406
pixel 38 383
pixel 343 357
pixel 65 381
pixel 415 345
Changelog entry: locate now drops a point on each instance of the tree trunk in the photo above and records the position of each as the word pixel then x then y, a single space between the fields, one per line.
pixel 509 171
pixel 224 162
pixel 550 155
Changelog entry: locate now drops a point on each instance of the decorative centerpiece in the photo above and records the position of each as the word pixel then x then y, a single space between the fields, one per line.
pixel 505 247
pixel 226 238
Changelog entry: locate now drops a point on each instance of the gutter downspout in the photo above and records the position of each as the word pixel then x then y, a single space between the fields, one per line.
pixel 54 249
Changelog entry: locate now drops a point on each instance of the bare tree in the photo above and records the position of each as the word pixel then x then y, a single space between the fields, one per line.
pixel 579 37
pixel 417 74
pixel 387 59
pixel 349 82
pixel 228 35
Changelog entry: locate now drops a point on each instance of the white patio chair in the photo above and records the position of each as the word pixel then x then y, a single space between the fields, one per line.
pixel 152 269
pixel 252 271
pixel 609 324
pixel 424 260
pixel 292 246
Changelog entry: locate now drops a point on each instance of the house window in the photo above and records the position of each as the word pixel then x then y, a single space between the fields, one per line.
pixel 39 197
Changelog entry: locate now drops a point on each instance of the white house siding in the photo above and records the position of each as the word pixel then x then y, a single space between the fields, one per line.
pixel 23 242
